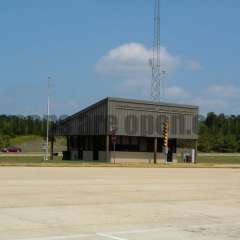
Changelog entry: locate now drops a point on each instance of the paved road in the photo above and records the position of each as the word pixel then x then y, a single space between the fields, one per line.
pixel 22 154
pixel 40 154
pixel 119 203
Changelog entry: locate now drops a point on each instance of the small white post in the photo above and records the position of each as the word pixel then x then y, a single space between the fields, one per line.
pixel 166 155
pixel 193 155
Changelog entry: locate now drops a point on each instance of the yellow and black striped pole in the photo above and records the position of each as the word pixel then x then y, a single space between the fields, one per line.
pixel 165 137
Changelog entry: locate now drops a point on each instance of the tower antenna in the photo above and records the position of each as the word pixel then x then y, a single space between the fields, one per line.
pixel 155 62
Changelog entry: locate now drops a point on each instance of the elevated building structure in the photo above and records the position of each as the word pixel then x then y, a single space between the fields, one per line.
pixel 124 130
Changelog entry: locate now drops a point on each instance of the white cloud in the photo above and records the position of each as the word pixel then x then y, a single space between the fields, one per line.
pixel 134 51
pixel 208 103
pixel 223 90
pixel 216 98
pixel 219 98
pixel 176 92
pixel 193 65
pixel 130 64
pixel 134 56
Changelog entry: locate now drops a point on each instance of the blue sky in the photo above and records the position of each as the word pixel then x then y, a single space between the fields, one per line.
pixel 93 49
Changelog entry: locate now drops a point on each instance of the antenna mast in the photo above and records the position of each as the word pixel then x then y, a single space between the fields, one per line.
pixel 156 64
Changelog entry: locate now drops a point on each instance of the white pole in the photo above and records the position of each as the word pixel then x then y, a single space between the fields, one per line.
pixel 48 114
pixel 193 156
pixel 166 155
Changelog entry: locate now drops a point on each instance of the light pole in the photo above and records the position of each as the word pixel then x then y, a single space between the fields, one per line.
pixel 48 116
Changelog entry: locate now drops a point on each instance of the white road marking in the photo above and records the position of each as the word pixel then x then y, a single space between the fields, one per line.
pixel 110 236
pixel 61 237
pixel 138 231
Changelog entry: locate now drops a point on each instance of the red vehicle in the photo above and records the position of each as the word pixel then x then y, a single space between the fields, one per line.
pixel 12 150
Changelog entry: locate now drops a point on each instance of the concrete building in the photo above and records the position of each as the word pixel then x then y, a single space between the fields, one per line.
pixel 123 130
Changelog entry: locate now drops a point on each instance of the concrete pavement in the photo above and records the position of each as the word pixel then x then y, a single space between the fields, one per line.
pixel 119 203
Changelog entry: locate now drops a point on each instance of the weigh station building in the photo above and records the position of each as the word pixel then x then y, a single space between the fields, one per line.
pixel 123 130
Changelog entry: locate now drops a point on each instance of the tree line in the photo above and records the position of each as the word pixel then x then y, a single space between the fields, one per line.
pixel 217 132
pixel 12 126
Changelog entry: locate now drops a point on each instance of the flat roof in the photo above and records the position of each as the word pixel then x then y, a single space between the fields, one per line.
pixel 126 100
pixel 148 102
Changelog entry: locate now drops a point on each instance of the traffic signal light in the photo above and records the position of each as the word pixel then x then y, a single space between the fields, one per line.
pixel 165 133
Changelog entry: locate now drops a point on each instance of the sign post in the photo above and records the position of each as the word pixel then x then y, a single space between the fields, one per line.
pixel 44 148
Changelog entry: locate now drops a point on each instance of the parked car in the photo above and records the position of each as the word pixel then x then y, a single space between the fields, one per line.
pixel 4 150
pixel 11 150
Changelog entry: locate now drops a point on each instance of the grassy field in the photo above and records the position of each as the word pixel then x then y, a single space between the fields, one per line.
pixel 31 146
pixel 24 139
pixel 219 159
pixel 32 143
pixel 29 160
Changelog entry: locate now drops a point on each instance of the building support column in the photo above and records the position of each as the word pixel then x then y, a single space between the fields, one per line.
pixel 107 148
pixel 68 143
pixel 155 151
pixel 196 151
pixel 52 147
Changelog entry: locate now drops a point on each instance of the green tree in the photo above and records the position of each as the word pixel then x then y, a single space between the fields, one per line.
pixel 4 141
